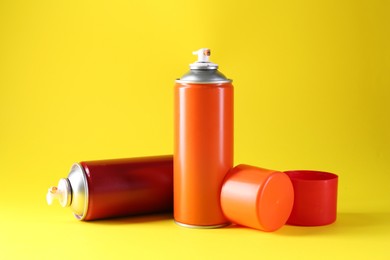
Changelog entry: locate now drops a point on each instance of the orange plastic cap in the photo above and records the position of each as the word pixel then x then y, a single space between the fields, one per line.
pixel 257 197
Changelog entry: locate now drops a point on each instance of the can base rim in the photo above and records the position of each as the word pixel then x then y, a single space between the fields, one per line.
pixel 201 227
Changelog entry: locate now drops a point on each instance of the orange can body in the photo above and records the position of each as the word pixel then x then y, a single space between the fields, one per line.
pixel 203 151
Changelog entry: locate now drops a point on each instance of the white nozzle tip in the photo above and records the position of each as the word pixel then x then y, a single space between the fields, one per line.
pixel 203 54
pixel 62 193
pixel 51 195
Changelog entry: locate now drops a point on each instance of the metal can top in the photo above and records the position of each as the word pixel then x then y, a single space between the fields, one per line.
pixel 203 71
pixel 72 192
pixel 78 182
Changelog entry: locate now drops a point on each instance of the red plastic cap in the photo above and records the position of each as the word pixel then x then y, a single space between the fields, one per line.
pixel 315 202
pixel 257 198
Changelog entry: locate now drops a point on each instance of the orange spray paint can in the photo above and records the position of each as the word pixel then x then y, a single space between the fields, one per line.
pixel 203 150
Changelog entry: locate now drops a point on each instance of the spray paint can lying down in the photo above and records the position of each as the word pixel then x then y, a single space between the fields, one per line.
pixel 118 187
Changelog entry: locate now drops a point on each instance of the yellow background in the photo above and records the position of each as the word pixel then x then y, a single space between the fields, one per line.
pixel 83 80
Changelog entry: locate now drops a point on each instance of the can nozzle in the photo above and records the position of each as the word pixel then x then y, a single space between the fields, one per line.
pixel 51 195
pixel 62 193
pixel 203 60
pixel 203 54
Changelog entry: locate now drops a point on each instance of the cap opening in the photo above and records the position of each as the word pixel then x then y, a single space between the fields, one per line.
pixel 305 175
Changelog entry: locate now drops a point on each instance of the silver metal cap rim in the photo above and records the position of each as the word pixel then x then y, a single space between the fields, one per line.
pixel 79 174
pixel 204 82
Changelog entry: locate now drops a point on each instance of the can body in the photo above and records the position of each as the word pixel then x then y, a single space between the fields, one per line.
pixel 203 151
pixel 123 187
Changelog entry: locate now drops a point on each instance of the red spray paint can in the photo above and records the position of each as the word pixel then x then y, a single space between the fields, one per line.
pixel 203 152
pixel 118 187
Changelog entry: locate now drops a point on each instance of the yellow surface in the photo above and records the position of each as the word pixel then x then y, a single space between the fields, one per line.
pixel 82 80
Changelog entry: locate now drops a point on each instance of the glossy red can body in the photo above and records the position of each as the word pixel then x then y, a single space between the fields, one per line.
pixel 123 187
